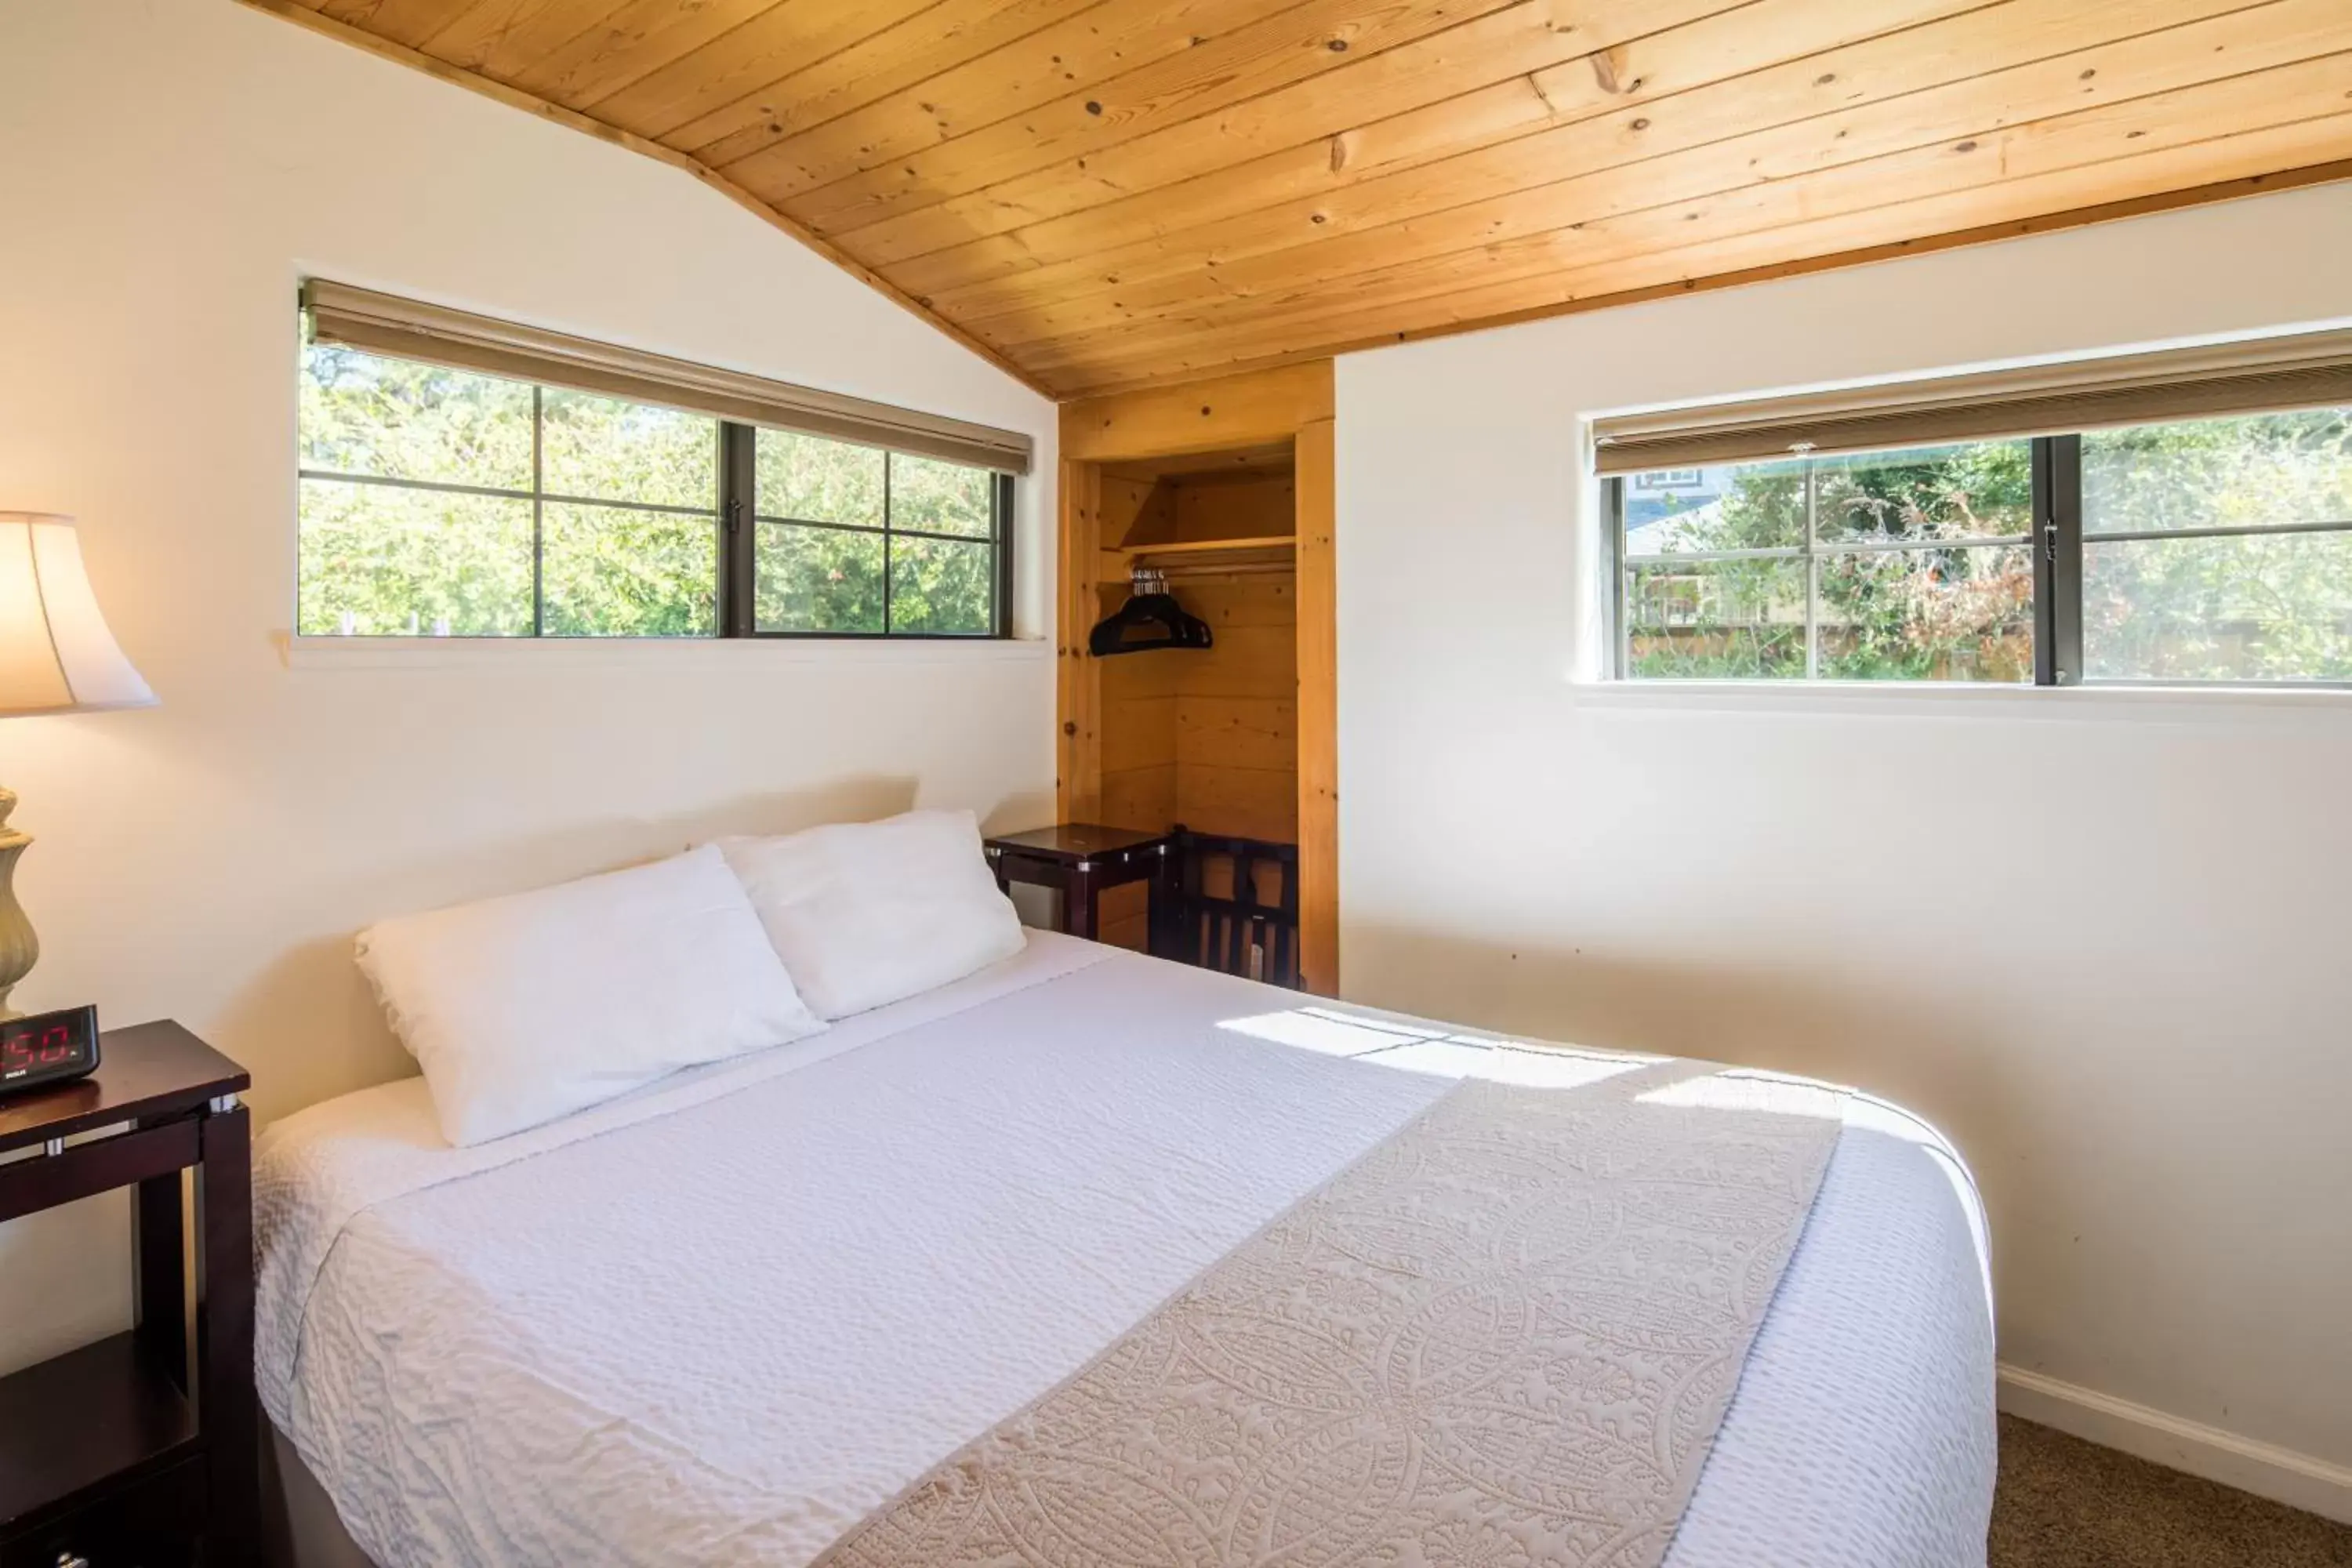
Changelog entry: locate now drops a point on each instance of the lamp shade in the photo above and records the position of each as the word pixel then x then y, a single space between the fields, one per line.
pixel 56 654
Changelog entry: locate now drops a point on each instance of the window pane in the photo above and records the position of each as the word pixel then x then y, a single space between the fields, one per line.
pixel 937 585
pixel 610 450
pixel 380 561
pixel 818 580
pixel 933 496
pixel 2259 472
pixel 1927 614
pixel 1983 489
pixel 608 571
pixel 396 419
pixel 810 480
pixel 1719 618
pixel 2248 607
pixel 1754 506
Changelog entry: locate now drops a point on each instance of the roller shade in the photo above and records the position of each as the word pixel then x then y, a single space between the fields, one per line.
pixel 409 329
pixel 2311 370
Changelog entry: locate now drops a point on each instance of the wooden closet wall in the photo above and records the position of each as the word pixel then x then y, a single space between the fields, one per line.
pixel 1206 738
pixel 1226 485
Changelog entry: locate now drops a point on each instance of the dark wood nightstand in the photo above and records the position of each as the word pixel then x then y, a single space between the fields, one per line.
pixel 1081 860
pixel 142 1451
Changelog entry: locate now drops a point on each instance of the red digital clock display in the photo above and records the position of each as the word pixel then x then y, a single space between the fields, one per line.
pixel 48 1047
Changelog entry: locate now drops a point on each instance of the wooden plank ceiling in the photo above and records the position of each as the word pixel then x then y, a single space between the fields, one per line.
pixel 1115 192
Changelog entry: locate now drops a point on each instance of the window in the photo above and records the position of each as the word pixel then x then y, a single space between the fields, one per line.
pixel 2218 549
pixel 2201 550
pixel 851 538
pixel 440 501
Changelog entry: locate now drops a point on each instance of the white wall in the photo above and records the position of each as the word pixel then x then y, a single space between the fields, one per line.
pixel 168 170
pixel 2101 939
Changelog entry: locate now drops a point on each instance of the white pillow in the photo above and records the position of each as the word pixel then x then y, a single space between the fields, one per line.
pixel 526 1008
pixel 865 913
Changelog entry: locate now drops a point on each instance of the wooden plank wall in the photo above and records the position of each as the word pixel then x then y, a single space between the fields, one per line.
pixel 1227 413
pixel 1251 506
pixel 1077 753
pixel 1318 705
pixel 1135 719
pixel 1113 193
pixel 1234 709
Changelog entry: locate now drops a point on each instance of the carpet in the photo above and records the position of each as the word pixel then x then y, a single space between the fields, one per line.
pixel 2065 1503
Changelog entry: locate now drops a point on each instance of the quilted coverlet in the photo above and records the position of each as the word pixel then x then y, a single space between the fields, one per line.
pixel 1503 1338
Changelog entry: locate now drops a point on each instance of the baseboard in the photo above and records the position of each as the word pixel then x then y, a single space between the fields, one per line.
pixel 2281 1474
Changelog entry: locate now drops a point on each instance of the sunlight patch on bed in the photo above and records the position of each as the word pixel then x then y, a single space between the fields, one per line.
pixel 1749 1088
pixel 1535 1066
pixel 1757 1089
pixel 1325 1029
pixel 1440 1053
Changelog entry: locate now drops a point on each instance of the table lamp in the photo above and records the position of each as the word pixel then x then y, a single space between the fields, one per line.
pixel 56 657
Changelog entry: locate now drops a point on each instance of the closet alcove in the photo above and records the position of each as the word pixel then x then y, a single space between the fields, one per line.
pixel 1224 491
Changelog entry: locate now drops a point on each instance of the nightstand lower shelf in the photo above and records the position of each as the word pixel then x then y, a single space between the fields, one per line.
pixel 152 1523
pixel 72 1426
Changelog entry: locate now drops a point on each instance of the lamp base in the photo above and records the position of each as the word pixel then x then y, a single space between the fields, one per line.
pixel 19 948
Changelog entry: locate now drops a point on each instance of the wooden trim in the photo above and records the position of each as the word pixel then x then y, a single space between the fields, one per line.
pixel 1212 554
pixel 1229 411
pixel 1077 737
pixel 514 98
pixel 1319 707
pixel 2009 228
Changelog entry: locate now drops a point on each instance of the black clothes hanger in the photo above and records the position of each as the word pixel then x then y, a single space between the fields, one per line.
pixel 1150 618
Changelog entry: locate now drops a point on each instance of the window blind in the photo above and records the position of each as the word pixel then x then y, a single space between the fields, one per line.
pixel 2311 370
pixel 410 328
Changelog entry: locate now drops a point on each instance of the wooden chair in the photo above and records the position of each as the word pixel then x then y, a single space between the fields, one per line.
pixel 1231 904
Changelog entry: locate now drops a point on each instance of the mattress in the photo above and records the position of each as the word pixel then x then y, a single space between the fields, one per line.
pixel 724 1319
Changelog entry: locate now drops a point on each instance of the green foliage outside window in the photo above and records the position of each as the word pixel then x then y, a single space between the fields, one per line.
pixel 439 502
pixel 884 515
pixel 2270 599
pixel 1892 605
pixel 2260 605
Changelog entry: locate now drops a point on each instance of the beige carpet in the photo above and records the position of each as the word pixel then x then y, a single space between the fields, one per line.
pixel 2063 1503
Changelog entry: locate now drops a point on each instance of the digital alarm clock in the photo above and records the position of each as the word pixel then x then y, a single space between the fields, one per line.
pixel 48 1047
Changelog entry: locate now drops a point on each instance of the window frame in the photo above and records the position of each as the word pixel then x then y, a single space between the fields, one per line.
pixel 739 545
pixel 734 517
pixel 2056 536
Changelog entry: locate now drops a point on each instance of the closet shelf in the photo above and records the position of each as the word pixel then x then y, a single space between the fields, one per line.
pixel 1273 551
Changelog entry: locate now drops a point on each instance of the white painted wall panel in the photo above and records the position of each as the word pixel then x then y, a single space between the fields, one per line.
pixel 2100 939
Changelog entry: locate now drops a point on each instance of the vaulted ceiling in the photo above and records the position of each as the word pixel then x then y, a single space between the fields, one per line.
pixel 1108 193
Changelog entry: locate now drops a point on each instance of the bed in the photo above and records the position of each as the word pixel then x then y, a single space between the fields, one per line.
pixel 727 1318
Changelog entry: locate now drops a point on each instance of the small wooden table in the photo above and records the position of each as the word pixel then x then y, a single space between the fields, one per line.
pixel 134 1450
pixel 1081 860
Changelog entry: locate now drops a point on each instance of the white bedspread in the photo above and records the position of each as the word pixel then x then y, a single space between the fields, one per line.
pixel 721 1321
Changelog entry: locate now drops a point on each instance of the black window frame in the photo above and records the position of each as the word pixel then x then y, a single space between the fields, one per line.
pixel 741 520
pixel 2055 532
pixel 737 520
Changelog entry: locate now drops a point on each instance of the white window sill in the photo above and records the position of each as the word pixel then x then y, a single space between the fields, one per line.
pixel 1954 699
pixel 644 653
